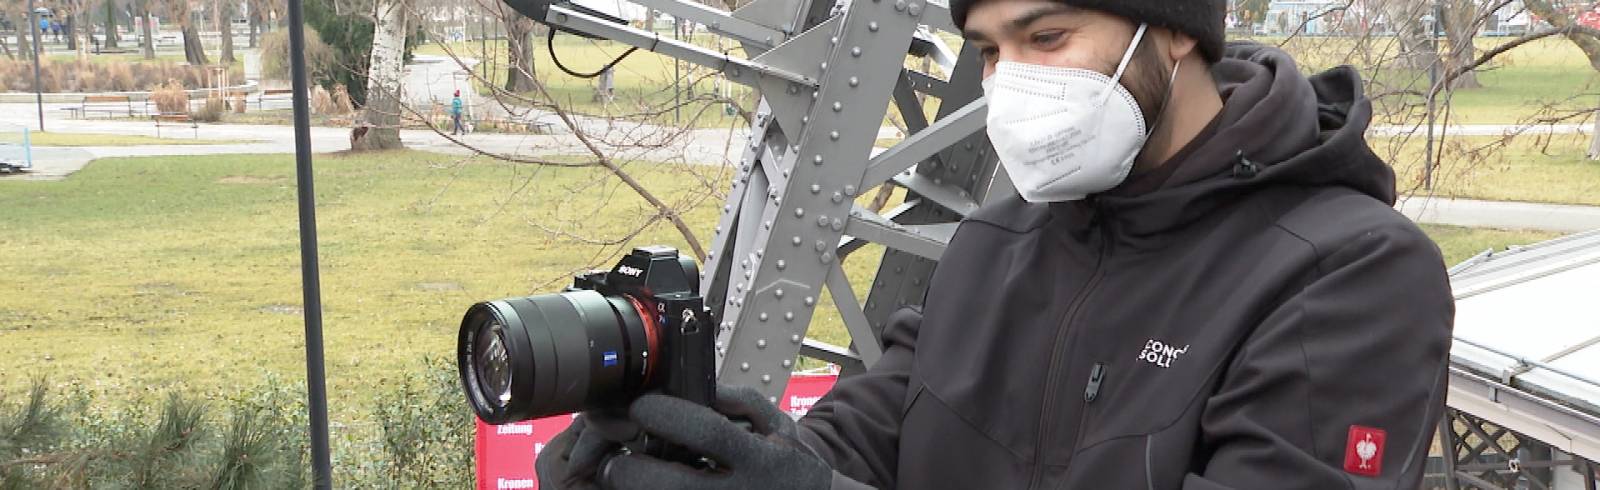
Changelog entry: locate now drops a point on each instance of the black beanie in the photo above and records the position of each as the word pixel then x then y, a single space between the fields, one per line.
pixel 1201 19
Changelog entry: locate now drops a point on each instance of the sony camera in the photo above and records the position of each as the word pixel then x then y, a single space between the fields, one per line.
pixel 614 335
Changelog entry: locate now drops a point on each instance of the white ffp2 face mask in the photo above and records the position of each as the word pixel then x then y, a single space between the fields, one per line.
pixel 1064 133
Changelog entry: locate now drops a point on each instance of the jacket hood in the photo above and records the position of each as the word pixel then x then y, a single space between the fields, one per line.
pixel 1277 127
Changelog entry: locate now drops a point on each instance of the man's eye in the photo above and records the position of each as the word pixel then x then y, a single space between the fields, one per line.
pixel 989 52
pixel 1047 38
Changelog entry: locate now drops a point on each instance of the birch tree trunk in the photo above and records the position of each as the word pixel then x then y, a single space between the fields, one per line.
pixel 380 128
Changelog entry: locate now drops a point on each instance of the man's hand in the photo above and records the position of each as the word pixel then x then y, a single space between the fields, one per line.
pixel 767 456
pixel 572 459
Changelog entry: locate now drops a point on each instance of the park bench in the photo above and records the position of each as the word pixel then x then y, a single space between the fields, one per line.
pixel 171 119
pixel 274 95
pixel 111 105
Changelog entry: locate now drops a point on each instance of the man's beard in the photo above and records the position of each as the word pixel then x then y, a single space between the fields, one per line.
pixel 1147 79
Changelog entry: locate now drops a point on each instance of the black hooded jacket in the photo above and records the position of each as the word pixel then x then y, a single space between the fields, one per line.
pixel 1252 322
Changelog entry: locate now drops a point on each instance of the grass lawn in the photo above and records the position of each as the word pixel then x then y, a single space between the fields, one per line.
pixel 90 139
pixel 1535 169
pixel 643 82
pixel 1461 243
pixel 137 275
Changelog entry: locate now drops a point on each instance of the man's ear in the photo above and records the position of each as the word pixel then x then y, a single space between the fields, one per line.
pixel 1180 46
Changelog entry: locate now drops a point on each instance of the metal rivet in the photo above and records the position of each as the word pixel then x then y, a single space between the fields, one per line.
pixel 818 159
pixel 827 257
pixel 796 241
pixel 900 5
pixel 850 190
pixel 833 135
pixel 915 9
pixel 872 26
pixel 766 378
pixel 854 81
pixel 799 212
pixel 762 317
pixel 825 64
pixel 832 40
pixel 787 363
pixel 837 106
pixel 772 399
pixel 561 18
pixel 855 51
pixel 778 292
pixel 810 301
pixel 837 197
pixel 782 264
pixel 822 221
pixel 789 316
pixel 744 366
pixel 815 189
pixel 795 338
pixel 761 343
pixel 746 274
pixel 805 120
pixel 734 72
pixel 767 225
pixel 821 245
pixel 838 225
pixel 794 88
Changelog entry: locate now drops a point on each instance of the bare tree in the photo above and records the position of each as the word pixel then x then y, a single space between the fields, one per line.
pixel 112 8
pixel 193 51
pixel 222 15
pixel 380 128
pixel 1412 82
pixel 614 144
pixel 519 49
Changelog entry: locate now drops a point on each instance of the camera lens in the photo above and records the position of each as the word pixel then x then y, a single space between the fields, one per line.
pixel 523 358
pixel 493 365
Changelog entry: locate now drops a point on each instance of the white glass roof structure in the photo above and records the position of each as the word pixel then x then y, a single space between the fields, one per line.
pixel 1527 341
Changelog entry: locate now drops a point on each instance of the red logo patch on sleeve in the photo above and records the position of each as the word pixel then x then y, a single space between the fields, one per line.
pixel 1363 453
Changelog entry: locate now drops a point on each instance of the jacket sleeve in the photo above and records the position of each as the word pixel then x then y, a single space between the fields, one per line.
pixel 856 426
pixel 1365 343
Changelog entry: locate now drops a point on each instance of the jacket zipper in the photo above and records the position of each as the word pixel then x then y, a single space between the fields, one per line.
pixel 1046 421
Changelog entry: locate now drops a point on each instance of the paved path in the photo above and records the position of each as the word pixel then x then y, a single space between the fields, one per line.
pixel 1562 218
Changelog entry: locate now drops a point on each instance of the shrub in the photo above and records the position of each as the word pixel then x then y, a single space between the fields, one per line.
pixel 170 98
pixel 321 102
pixel 212 110
pixel 253 438
pixel 321 60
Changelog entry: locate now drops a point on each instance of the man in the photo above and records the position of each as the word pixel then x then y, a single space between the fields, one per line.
pixel 455 114
pixel 1203 285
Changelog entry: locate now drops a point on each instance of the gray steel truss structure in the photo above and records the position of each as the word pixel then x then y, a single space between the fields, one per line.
pixel 827 73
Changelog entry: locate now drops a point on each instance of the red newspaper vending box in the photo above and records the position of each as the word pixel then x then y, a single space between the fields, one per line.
pixel 505 453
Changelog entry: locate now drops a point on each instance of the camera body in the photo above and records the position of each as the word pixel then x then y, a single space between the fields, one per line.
pixel 612 336
pixel 665 282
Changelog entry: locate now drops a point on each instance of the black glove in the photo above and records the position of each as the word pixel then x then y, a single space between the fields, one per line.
pixel 572 458
pixel 767 456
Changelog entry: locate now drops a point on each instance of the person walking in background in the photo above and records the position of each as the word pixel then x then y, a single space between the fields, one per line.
pixel 455 114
